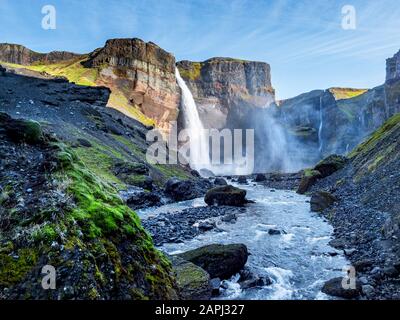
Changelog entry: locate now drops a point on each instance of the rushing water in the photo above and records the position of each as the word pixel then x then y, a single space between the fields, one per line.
pixel 298 261
pixel 199 151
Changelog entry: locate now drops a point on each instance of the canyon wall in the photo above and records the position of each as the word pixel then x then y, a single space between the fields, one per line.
pixel 221 86
pixel 143 73
pixel 17 54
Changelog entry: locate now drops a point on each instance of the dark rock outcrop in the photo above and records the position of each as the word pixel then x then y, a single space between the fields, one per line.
pixel 220 182
pixel 321 200
pixel 330 165
pixel 226 196
pixel 220 261
pixel 334 287
pixel 309 178
pixel 180 190
pixel 21 131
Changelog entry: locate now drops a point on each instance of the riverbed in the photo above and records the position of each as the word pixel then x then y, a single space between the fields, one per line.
pixel 298 259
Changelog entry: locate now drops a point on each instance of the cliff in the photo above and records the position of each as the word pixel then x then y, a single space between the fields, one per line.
pixel 221 86
pixel 141 76
pixel 144 75
pixel 338 119
pixel 17 54
pixel 393 67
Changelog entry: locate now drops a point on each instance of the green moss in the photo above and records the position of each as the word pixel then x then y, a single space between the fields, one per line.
pixel 138 152
pixel 119 101
pixel 377 136
pixel 47 233
pixel 99 209
pixel 193 73
pixel 14 269
pixel 74 71
pixel 311 173
pixel 346 93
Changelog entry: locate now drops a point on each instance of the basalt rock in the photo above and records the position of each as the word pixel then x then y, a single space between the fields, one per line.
pixel 334 287
pixel 193 282
pixel 220 261
pixel 331 164
pixel 226 196
pixel 181 190
pixel 21 131
pixel 321 200
pixel 309 178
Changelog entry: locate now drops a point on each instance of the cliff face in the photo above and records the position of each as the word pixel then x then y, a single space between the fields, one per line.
pixel 332 121
pixel 223 85
pixel 17 54
pixel 393 67
pixel 141 76
pixel 143 73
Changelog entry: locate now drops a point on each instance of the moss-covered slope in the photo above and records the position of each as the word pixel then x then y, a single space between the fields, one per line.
pixel 55 211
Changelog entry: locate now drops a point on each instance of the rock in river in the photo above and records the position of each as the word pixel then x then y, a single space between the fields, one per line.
pixel 226 196
pixel 220 261
pixel 334 287
pixel 193 282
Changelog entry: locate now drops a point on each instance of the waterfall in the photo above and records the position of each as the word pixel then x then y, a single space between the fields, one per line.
pixel 199 145
pixel 321 126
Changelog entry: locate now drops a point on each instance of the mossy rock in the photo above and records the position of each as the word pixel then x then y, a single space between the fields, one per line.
pixel 309 178
pixel 193 282
pixel 330 165
pixel 220 261
pixel 22 131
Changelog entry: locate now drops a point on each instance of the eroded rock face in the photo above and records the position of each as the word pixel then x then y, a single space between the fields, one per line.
pixel 393 67
pixel 220 85
pixel 144 73
pixel 15 53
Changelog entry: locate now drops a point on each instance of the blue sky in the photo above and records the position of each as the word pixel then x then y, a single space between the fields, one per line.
pixel 302 40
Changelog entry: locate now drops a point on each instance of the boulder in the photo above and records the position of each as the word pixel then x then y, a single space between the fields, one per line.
pixel 334 287
pixel 181 190
pixel 206 173
pixel 260 178
pixel 21 131
pixel 143 200
pixel 193 282
pixel 254 282
pixel 124 168
pixel 309 178
pixel 220 261
pixel 330 165
pixel 220 182
pixel 321 200
pixel 226 196
pixel 242 180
